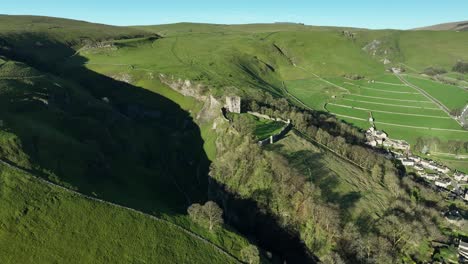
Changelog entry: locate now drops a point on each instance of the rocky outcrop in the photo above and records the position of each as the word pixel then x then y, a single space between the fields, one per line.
pixel 211 105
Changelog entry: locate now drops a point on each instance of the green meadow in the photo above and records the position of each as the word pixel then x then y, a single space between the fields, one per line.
pixel 451 96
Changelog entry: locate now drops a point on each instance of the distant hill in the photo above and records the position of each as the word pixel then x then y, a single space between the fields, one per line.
pixel 453 26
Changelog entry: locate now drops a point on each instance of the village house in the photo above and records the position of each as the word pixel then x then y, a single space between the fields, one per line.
pixel 463 249
pixel 428 164
pixel 418 168
pixel 441 169
pixel 416 159
pixel 430 176
pixel 443 183
pixel 372 143
pixel 461 177
pixel 406 162
pixel 396 144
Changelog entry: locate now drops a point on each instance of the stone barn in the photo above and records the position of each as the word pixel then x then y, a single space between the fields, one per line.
pixel 233 104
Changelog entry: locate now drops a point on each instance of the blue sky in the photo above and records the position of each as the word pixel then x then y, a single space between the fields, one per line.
pixel 359 13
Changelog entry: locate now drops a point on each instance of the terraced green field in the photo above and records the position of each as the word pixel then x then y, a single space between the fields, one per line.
pixel 451 96
pixel 400 110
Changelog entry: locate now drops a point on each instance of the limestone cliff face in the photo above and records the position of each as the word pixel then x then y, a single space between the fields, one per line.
pixel 211 106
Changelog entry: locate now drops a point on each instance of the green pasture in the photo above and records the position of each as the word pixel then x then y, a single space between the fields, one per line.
pixel 451 96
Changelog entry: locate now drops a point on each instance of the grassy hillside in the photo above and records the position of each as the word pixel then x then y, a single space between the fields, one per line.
pixel 308 63
pixel 49 40
pixel 89 110
pixel 43 224
pixel 102 137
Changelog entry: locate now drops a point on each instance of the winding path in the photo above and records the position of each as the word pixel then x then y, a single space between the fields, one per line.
pixel 183 229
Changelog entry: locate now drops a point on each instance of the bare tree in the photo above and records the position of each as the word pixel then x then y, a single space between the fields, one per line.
pixel 209 214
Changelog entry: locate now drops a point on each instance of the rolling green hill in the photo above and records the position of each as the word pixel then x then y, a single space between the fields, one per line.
pixel 103 138
pixel 90 107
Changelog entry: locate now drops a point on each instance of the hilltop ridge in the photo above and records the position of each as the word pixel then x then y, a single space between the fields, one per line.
pixel 452 26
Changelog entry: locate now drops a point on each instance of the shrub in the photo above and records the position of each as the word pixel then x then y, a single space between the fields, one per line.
pixel 461 67
pixel 432 71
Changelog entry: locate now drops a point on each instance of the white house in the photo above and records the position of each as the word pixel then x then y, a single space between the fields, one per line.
pixel 444 183
pixel 372 143
pixel 444 170
pixel 428 164
pixel 407 162
pixel 460 176
pixel 414 158
pixel 431 177
pixel 380 134
pixel 463 249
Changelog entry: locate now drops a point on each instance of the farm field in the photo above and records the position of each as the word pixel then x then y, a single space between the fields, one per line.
pixel 451 96
pixel 400 110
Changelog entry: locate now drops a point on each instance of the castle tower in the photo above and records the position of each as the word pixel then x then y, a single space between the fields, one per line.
pixel 233 104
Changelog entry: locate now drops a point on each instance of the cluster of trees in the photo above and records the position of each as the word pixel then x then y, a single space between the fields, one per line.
pixel 401 228
pixel 432 71
pixel 461 67
pixel 433 144
pixel 343 138
pixel 304 119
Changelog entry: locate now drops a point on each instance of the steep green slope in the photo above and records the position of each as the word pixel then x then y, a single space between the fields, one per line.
pixel 101 137
pixel 43 224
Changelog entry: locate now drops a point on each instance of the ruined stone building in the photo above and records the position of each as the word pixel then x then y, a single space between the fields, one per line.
pixel 233 104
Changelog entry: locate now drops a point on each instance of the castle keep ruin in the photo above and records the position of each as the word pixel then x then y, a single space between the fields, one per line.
pixel 233 104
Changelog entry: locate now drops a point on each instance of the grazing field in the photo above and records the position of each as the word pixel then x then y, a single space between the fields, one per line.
pixel 398 109
pixel 451 96
pixel 265 128
pixel 313 91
